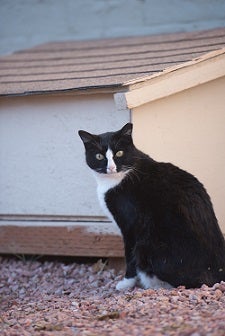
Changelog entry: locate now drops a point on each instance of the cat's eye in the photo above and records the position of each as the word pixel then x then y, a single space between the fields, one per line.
pixel 99 156
pixel 119 153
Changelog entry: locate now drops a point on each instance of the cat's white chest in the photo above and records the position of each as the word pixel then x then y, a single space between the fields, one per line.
pixel 105 182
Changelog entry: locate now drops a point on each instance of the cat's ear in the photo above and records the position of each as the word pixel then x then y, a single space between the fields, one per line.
pixel 127 129
pixel 86 137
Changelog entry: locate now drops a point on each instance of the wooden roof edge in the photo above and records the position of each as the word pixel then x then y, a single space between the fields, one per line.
pixel 87 90
pixel 172 80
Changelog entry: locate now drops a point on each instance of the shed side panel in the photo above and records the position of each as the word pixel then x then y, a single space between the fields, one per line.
pixel 42 164
pixel 188 129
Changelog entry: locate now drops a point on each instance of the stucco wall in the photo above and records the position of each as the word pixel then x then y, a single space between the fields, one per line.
pixel 24 23
pixel 42 162
pixel 188 129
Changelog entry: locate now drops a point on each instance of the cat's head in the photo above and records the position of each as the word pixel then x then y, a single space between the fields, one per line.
pixel 109 153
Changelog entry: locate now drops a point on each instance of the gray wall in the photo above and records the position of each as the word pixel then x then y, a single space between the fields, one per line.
pixel 24 23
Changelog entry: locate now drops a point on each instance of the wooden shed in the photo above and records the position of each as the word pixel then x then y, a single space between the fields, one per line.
pixel 172 87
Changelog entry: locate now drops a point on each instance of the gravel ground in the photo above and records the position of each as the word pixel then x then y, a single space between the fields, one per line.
pixel 58 298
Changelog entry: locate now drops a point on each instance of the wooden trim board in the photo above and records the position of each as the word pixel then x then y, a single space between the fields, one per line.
pixel 172 80
pixel 63 239
pixel 71 239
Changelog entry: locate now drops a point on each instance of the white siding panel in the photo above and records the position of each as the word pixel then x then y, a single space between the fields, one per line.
pixel 42 165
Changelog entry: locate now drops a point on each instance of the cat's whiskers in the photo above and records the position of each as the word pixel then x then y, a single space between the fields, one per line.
pixel 133 173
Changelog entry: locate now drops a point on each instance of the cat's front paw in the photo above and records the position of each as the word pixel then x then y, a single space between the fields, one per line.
pixel 126 283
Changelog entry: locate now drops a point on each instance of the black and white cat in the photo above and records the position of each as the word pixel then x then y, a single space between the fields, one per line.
pixel 170 232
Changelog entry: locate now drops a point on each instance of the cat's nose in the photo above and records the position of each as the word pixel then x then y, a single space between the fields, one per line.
pixel 111 169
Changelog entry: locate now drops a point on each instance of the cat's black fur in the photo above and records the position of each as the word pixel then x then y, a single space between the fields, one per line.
pixel 164 213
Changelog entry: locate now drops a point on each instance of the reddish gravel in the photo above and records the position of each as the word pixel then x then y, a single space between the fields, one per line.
pixel 54 298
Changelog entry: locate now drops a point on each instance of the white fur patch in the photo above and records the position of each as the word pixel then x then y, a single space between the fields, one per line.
pixel 108 181
pixel 126 283
pixel 152 282
pixel 111 166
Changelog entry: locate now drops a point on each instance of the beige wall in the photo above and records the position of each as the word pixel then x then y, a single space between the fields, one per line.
pixel 188 129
